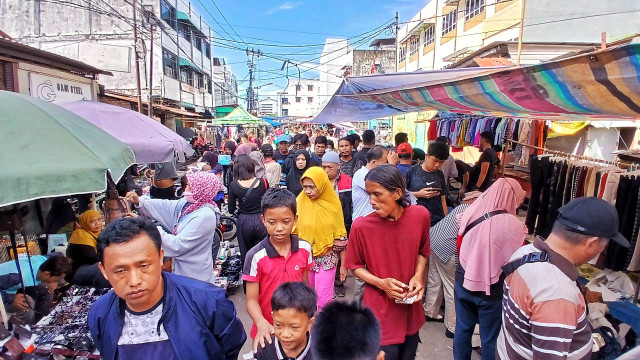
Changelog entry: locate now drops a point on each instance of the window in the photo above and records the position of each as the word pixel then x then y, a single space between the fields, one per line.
pixel 449 22
pixel 209 83
pixel 298 99
pixel 473 8
pixel 206 49
pixel 285 101
pixel 298 87
pixel 185 31
pixel 186 76
pixel 199 80
pixel 285 112
pixel 197 42
pixel 310 99
pixel 414 44
pixel 429 36
pixel 403 52
pixel 310 87
pixel 168 14
pixel 170 64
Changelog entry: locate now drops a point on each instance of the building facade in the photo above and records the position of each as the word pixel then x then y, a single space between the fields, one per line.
pixel 225 85
pixel 301 98
pixel 180 72
pixel 269 107
pixel 445 32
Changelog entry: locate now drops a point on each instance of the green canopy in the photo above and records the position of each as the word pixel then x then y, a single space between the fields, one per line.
pixel 239 116
pixel 48 151
pixel 184 62
pixel 185 17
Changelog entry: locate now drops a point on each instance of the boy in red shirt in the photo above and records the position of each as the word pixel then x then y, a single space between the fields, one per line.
pixel 277 259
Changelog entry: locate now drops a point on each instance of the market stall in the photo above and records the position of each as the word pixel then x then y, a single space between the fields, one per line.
pixel 47 151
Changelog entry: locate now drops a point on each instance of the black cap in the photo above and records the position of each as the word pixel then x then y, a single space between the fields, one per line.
pixel 592 216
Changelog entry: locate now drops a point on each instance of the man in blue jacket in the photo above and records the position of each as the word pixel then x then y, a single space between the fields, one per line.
pixel 155 315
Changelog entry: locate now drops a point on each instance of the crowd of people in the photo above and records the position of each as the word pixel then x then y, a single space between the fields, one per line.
pixel 310 215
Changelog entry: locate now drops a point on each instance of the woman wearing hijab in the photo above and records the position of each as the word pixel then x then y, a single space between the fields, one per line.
pixel 187 226
pixel 301 164
pixel 272 170
pixel 230 148
pixel 258 159
pixel 489 234
pixel 245 196
pixel 320 222
pixel 82 245
pixel 212 165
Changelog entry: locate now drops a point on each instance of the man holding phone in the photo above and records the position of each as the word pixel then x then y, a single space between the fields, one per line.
pixel 427 183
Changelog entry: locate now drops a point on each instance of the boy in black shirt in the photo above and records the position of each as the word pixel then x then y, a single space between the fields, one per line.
pixel 427 183
pixel 294 306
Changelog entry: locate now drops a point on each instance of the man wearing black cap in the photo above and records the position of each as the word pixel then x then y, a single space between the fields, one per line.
pixel 543 310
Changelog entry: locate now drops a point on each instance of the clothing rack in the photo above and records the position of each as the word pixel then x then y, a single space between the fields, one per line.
pixel 564 154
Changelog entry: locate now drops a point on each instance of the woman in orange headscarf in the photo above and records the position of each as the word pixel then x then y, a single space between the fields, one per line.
pixel 82 245
pixel 320 222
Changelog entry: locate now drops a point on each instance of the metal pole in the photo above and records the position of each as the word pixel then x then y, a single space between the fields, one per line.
pixel 521 32
pixel 135 48
pixel 151 74
pixel 397 45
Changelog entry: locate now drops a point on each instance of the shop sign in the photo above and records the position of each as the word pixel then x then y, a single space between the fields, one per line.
pixel 54 89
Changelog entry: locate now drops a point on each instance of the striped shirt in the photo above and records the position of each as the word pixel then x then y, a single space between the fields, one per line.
pixel 543 311
pixel 444 234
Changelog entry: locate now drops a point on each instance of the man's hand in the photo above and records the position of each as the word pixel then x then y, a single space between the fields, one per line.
pixel 393 288
pixel 133 198
pixel 343 273
pixel 416 288
pixel 131 215
pixel 426 193
pixel 21 302
pixel 265 330
pixel 51 287
pixel 392 157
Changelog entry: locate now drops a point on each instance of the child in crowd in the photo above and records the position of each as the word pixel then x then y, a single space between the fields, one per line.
pixel 427 183
pixel 294 306
pixel 277 259
pixel 346 331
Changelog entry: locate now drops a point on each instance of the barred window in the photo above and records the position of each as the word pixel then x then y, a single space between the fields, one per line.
pixel 473 8
pixel 429 35
pixel 170 64
pixel 414 44
pixel 403 52
pixel 449 22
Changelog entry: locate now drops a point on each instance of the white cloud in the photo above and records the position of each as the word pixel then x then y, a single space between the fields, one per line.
pixel 284 6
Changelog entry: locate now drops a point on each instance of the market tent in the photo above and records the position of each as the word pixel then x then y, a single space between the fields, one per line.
pixel 272 121
pixel 600 85
pixel 239 116
pixel 48 151
pixel 150 141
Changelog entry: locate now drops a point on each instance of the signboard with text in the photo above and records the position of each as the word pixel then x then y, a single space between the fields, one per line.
pixel 55 89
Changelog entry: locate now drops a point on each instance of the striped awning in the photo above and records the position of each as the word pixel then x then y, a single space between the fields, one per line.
pixel 604 84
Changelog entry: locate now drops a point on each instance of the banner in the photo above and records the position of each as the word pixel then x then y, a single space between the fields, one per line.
pixel 564 128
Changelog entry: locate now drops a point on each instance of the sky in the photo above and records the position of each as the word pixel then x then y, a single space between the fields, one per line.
pixel 291 22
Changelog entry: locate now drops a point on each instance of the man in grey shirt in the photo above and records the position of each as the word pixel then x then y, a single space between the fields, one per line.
pixel 165 175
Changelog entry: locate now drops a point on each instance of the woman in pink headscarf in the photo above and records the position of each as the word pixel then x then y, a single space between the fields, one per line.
pixel 489 234
pixel 187 225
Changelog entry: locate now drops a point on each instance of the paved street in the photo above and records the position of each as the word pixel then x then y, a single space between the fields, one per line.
pixel 435 346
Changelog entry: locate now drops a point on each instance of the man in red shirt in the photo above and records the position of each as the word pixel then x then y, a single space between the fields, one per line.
pixel 388 250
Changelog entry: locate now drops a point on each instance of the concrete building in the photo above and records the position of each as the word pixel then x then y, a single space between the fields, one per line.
pixel 334 60
pixel 45 75
pixel 447 31
pixel 301 98
pixel 225 85
pixel 269 107
pixel 101 34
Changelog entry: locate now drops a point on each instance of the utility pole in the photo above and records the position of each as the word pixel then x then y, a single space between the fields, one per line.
pixel 151 20
pixel 397 45
pixel 137 57
pixel 251 98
